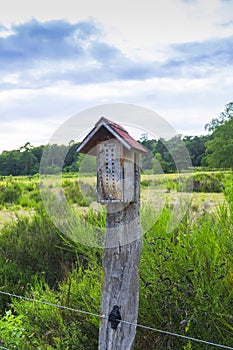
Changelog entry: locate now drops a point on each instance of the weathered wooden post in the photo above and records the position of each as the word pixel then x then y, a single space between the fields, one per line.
pixel 118 185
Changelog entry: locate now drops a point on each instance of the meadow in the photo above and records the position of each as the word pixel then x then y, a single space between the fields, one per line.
pixel 186 268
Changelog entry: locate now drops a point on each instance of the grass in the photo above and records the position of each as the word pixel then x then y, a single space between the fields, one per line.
pixel 189 276
pixel 185 272
pixel 155 190
pixel 5 216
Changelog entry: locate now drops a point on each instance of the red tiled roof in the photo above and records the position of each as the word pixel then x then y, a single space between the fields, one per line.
pixel 106 129
pixel 125 135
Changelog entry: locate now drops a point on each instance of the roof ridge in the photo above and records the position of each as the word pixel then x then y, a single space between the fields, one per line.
pixel 110 122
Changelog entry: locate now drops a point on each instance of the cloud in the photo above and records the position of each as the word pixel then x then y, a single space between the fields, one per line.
pixel 52 69
pixel 216 51
pixel 37 54
pixel 37 41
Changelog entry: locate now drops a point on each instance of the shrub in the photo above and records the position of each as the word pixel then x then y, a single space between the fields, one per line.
pixel 202 183
pixel 32 247
pixel 80 193
pixel 10 193
pixel 146 182
pixel 57 328
pixel 14 334
pixel 186 282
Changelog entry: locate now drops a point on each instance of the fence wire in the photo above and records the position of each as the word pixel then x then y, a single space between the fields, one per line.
pixel 220 346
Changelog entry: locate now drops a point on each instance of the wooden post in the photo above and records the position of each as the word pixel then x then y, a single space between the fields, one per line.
pixel 121 263
pixel 118 186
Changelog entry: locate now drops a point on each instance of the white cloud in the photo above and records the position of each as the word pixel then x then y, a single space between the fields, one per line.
pixel 16 132
pixel 187 104
pixel 187 85
pixel 138 28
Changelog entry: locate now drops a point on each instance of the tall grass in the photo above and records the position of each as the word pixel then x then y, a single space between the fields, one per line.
pixel 186 279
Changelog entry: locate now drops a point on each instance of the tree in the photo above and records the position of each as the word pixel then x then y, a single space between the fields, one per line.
pixel 53 157
pixel 88 164
pixel 71 159
pixel 28 159
pixel 196 148
pixel 10 163
pixel 219 149
pixel 224 117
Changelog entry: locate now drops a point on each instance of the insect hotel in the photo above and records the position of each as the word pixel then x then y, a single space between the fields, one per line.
pixel 117 154
pixel 118 186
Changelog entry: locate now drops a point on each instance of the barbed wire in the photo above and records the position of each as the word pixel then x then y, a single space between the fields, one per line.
pixel 122 321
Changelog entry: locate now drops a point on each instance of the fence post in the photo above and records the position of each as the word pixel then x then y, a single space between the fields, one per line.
pixel 118 186
pixel 121 264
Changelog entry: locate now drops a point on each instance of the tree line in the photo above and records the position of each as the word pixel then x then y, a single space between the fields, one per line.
pixel 27 159
pixel 214 150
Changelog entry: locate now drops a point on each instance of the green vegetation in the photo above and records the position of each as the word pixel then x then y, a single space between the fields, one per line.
pixel 190 281
pixel 28 160
pixel 211 182
pixel 219 148
pixel 186 274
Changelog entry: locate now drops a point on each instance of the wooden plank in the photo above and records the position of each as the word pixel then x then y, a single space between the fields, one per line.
pixel 129 177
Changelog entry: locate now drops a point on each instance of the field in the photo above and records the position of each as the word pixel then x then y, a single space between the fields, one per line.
pixel 186 267
pixel 155 189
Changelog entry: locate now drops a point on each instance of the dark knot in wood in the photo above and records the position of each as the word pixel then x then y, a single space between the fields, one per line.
pixel 114 317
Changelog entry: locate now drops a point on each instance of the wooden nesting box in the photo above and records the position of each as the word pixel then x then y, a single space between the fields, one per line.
pixel 117 155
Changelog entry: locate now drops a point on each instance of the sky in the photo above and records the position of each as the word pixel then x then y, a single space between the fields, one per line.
pixel 173 57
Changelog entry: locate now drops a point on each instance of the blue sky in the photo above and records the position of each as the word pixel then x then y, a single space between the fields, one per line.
pixel 174 57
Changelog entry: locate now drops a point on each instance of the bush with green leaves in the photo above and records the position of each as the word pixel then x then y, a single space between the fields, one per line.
pixel 208 183
pixel 33 247
pixel 10 192
pixel 14 333
pixel 58 328
pixel 31 196
pixel 79 192
pixel 186 281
